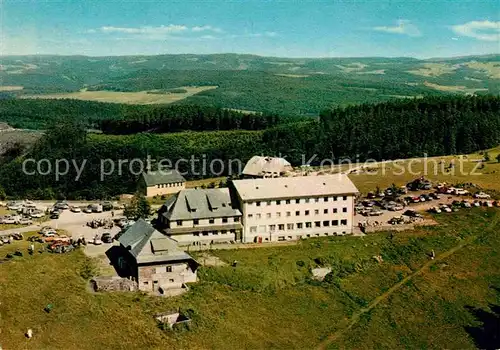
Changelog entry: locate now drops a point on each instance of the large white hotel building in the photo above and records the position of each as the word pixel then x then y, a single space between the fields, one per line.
pixel 289 208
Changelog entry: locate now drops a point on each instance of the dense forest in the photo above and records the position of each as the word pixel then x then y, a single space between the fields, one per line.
pixel 180 118
pixel 122 119
pixel 436 126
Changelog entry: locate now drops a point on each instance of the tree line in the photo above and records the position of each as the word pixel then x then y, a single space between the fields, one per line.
pixel 436 126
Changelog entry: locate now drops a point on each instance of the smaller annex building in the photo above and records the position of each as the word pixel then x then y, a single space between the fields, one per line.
pixel 157 183
pixel 259 167
pixel 201 216
pixel 153 260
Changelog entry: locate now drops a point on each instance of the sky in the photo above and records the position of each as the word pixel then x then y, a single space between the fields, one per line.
pixel 286 28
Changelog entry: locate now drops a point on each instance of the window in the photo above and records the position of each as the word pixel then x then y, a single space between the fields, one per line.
pixel 146 283
pixel 307 200
pixel 297 213
pixel 326 223
pixel 335 223
pixel 232 230
pixel 257 203
pixel 253 229
pixel 168 268
pixel 297 201
pixel 325 199
pixel 250 203
pixel 317 224
pixel 272 227
pixel 158 187
pixel 268 215
pixel 289 226
pixel 236 219
pixel 344 198
pixel 287 201
pixel 196 234
pixel 281 227
pixel 250 216
pixel 335 210
pixel 325 211
pixel 278 202
pixel 316 200
pixel 306 212
pixel 268 203
pixel 316 211
pixel 179 222
pixel 171 280
pixel 343 222
pixel 205 233
pixel 224 220
pixel 196 221
pixel 258 216
pixel 223 232
pixel 300 225
pixel 278 214
pixel 335 198
pixel 288 213
pixel 211 221
pixel 308 224
pixel 344 210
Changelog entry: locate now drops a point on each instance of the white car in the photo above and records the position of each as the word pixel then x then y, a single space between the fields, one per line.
pixel 37 215
pixel 76 209
pixel 87 210
pixel 8 220
pixel 461 192
pixel 15 207
pixel 50 234
pixel 489 204
pixel 482 195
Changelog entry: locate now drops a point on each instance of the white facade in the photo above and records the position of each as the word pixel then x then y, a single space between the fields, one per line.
pixel 283 209
pixel 294 218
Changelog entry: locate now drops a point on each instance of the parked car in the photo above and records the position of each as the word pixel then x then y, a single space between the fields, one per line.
pixel 445 208
pixel 62 205
pixel 412 213
pixel 8 220
pixel 37 214
pixel 482 195
pixel 96 208
pixel 476 204
pixel 435 210
pixel 55 215
pixel 76 209
pixel 25 221
pixel 397 220
pixel 376 213
pixel 97 241
pixel 466 204
pixel 107 206
pixel 107 238
pixel 488 204
pixel 461 192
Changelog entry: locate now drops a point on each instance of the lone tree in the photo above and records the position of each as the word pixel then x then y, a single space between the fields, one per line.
pixel 138 208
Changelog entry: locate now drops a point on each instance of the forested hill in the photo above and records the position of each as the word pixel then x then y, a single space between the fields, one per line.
pixel 408 128
pixel 264 84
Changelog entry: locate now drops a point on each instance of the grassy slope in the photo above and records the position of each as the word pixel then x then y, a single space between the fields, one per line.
pixel 488 177
pixel 266 301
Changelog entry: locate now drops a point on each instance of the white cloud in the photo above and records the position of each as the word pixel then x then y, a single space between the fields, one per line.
pixel 171 28
pixel 403 26
pixel 480 30
pixel 206 29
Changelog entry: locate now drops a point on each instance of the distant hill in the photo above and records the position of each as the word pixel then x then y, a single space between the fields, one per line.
pixel 256 83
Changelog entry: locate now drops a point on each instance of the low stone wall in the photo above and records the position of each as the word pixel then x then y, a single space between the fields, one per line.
pixel 113 284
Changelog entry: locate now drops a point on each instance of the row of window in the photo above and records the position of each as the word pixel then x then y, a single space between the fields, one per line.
pixel 297 213
pixel 210 221
pixel 213 233
pixel 174 184
pixel 298 225
pixel 299 200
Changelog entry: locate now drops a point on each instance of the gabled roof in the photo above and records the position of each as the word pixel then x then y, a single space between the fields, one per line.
pixel 200 204
pixel 146 245
pixel 259 166
pixel 293 187
pixel 153 178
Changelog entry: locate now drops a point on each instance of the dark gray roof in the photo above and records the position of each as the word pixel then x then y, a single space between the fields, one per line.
pixel 200 204
pixel 153 178
pixel 146 245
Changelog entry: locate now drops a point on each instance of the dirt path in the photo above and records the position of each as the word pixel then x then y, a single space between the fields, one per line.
pixel 357 315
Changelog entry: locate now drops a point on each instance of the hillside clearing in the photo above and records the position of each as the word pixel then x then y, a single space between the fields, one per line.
pixel 268 301
pixel 11 88
pixel 433 69
pixel 140 97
